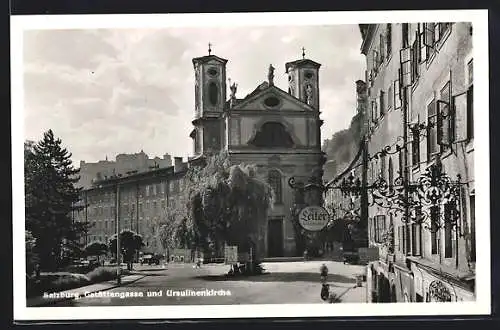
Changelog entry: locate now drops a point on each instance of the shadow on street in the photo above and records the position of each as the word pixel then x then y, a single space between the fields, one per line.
pixel 279 277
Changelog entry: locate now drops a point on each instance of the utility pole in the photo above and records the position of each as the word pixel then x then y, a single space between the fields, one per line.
pixel 117 220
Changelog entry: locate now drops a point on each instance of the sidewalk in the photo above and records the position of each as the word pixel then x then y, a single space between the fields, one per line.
pixel 55 297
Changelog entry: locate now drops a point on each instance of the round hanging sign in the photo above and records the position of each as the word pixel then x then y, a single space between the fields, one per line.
pixel 313 218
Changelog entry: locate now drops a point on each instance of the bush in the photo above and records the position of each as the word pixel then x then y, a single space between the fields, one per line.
pixel 68 282
pixel 101 274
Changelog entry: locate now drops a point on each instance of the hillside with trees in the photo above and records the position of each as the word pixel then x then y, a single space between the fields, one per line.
pixel 342 147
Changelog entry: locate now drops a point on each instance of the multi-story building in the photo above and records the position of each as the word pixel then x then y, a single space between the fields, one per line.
pixel 141 200
pixel 276 130
pixel 124 164
pixel 420 80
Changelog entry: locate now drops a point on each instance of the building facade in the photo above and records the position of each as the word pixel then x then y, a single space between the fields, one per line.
pixel 123 165
pixel 420 80
pixel 276 130
pixel 138 201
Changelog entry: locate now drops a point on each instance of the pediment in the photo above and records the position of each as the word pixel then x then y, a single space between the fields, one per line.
pixel 272 99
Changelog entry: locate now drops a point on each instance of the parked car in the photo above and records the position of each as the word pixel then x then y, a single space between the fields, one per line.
pixel 150 259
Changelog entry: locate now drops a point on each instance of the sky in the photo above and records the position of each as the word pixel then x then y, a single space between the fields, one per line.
pixel 111 91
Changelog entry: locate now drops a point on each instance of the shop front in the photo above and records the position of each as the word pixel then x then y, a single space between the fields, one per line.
pixel 434 287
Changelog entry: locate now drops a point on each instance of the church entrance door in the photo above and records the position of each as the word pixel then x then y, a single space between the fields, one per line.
pixel 275 237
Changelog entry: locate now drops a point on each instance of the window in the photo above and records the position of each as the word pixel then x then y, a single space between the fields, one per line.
pixel 379 224
pixel 473 227
pixel 375 60
pixel 213 93
pixel 434 229
pixel 442 29
pixel 382 50
pixel 417 223
pixel 274 179
pixel 147 191
pixel 388 39
pixel 400 162
pixel 416 239
pixel 400 239
pixel 408 242
pixel 470 108
pixel 374 111
pixel 448 233
pixel 414 57
pixel 383 169
pixel 404 32
pixel 470 73
pixel 415 146
pixel 446 122
pixel 432 129
pixel 397 96
pixel 423 48
pixel 272 135
pixel 390 97
pixel 382 103
pixel 429 39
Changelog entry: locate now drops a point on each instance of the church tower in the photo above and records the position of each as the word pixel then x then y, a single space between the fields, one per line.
pixel 303 80
pixel 210 98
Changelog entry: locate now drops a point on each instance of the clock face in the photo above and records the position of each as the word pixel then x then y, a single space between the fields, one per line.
pixel 212 72
pixel 309 75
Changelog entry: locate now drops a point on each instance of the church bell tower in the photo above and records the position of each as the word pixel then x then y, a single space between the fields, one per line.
pixel 303 80
pixel 210 98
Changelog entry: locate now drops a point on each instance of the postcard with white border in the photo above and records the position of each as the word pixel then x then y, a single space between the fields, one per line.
pixel 250 165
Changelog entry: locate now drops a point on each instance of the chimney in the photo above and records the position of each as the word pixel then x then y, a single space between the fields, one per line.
pixel 177 164
pixel 167 160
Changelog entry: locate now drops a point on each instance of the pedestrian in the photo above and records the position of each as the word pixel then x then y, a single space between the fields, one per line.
pixel 37 271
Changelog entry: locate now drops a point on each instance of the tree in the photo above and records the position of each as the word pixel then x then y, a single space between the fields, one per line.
pixel 50 197
pixel 96 249
pixel 220 204
pixel 130 243
pixel 31 256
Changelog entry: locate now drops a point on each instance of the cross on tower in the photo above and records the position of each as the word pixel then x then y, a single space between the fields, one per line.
pixel 209 48
pixel 303 53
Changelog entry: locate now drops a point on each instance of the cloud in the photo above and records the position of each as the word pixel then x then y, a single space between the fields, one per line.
pixel 106 92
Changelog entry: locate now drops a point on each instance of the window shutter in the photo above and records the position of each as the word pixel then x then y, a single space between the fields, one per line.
pixel 389 39
pixel 406 72
pixel 423 48
pixel 444 129
pixel 382 48
pixel 429 35
pixel 436 32
pixel 460 111
pixel 439 123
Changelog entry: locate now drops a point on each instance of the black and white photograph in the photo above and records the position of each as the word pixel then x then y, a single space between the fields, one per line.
pixel 250 165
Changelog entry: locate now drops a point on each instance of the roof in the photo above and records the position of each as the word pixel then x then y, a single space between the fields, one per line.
pixel 256 91
pixel 207 58
pixel 301 63
pixel 135 177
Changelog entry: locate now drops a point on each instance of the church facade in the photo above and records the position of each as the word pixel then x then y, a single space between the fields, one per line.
pixel 278 131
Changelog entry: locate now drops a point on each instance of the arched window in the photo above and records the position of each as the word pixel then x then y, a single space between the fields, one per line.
pixel 274 180
pixel 272 135
pixel 213 93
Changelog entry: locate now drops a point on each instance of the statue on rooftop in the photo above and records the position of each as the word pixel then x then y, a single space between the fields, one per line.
pixel 270 75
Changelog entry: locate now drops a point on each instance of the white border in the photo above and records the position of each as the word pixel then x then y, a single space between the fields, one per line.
pixel 479 18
